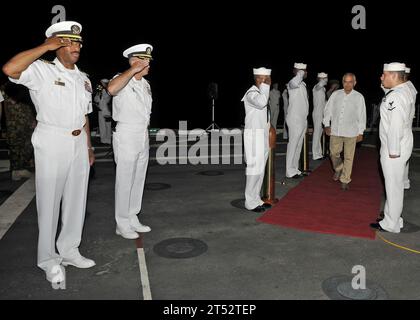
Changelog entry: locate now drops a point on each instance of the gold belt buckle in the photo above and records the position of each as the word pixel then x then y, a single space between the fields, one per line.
pixel 76 132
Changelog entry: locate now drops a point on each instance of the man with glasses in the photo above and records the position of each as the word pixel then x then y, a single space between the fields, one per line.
pixel 131 106
pixel 62 97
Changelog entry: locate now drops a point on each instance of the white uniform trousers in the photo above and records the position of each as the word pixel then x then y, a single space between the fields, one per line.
pixel 256 155
pixel 105 131
pixel 297 132
pixel 131 150
pixel 316 137
pixel 62 175
pixel 406 179
pixel 274 115
pixel 393 170
pixel 285 135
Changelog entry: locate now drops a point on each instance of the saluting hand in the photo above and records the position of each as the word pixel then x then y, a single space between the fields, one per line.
pixel 140 65
pixel 54 43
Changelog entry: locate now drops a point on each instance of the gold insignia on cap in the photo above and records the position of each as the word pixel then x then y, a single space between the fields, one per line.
pixel 75 29
pixel 148 50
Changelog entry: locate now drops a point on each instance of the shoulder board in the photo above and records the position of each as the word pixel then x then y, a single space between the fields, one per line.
pixel 46 61
pixel 253 90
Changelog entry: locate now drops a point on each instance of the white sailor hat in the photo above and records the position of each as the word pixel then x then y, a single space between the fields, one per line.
pixel 407 70
pixel 322 75
pixel 300 66
pixel 394 66
pixel 141 51
pixel 65 29
pixel 262 72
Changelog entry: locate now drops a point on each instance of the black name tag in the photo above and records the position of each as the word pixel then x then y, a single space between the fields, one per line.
pixel 59 83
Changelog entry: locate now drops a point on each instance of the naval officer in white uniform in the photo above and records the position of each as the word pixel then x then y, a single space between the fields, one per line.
pixel 396 138
pixel 62 96
pixel 131 106
pixel 297 123
pixel 256 138
pixel 319 100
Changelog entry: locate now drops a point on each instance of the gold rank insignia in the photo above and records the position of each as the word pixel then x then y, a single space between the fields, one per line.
pixel 46 61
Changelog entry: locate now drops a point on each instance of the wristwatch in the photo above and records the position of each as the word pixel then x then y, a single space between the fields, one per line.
pixel 91 148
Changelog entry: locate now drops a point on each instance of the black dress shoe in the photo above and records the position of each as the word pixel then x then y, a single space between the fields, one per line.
pixel 344 186
pixel 258 209
pixel 266 205
pixel 297 176
pixel 377 226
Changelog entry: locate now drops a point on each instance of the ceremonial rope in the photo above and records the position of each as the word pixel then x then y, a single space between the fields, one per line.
pixel 396 245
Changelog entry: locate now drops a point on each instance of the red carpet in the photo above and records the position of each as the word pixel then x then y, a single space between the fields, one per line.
pixel 318 204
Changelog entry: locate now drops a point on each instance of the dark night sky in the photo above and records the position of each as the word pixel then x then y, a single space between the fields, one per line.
pixel 199 42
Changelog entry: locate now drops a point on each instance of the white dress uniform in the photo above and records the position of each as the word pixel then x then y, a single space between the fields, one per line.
pixel 62 99
pixel 274 103
pixel 131 110
pixel 319 100
pixel 285 96
pixel 296 120
pixel 104 112
pixel 256 142
pixel 396 137
pixel 413 92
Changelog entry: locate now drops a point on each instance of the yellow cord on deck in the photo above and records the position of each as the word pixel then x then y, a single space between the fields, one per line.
pixel 396 245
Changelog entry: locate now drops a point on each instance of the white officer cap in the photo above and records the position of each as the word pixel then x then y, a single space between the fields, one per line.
pixel 407 70
pixel 394 66
pixel 65 29
pixel 322 75
pixel 262 72
pixel 300 66
pixel 142 51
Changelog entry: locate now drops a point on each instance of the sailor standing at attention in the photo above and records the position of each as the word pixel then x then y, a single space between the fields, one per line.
pixel 395 132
